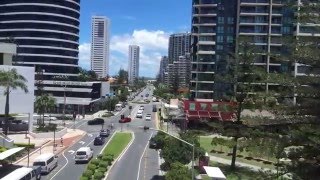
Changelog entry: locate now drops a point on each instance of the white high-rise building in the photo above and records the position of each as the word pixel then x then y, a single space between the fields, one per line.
pixel 100 45
pixel 133 68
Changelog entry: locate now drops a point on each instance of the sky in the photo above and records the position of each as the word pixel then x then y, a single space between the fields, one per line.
pixel 147 23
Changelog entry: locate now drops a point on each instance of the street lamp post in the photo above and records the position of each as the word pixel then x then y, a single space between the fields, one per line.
pixel 192 145
pixel 28 151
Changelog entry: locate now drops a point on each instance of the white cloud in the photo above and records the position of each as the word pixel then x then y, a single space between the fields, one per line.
pixel 153 45
pixel 84 55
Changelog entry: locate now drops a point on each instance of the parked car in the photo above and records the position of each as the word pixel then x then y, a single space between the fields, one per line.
pixel 99 141
pixel 125 120
pixel 83 154
pixel 148 117
pixel 104 133
pixel 96 121
pixel 49 118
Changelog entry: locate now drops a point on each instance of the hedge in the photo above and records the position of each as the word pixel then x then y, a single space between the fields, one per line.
pixel 26 145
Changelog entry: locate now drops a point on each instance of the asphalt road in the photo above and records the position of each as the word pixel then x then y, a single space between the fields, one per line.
pixel 139 160
pixel 67 169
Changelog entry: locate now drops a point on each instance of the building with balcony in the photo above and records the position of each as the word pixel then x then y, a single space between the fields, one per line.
pixel 182 69
pixel 100 45
pixel 179 45
pixel 163 64
pixel 213 35
pixel 133 68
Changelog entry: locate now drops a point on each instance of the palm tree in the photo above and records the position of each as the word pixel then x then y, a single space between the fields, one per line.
pixel 11 80
pixel 43 104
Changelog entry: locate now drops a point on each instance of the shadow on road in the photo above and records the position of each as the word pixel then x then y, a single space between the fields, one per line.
pixel 157 177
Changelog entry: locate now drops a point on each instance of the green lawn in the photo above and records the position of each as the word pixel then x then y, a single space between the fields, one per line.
pixel 116 145
pixel 205 142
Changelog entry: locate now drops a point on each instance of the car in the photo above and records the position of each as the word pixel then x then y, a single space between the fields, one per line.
pixel 49 118
pixel 141 108
pixel 154 108
pixel 148 117
pixel 125 120
pixel 104 133
pixel 139 114
pixel 83 154
pixel 96 121
pixel 99 141
pixel 153 144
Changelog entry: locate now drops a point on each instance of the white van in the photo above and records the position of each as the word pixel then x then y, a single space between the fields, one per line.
pixel 47 162
pixel 83 154
pixel 23 173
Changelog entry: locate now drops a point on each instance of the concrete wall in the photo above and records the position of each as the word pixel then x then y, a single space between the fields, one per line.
pixel 105 88
pixel 20 102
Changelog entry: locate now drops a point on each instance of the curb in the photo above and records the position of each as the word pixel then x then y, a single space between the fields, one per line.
pixel 120 156
pixel 36 150
pixel 75 141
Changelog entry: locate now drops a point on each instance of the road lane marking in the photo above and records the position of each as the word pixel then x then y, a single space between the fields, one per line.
pixel 90 142
pixel 90 135
pixel 81 124
pixel 139 167
pixel 71 151
pixel 61 167
pixel 81 142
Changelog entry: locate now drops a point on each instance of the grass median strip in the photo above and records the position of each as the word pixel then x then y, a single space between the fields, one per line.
pixel 97 168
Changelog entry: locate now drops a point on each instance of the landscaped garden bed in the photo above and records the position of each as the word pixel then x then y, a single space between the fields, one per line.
pixel 97 168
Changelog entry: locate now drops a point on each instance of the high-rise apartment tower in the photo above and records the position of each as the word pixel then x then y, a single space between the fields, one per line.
pixel 133 68
pixel 100 45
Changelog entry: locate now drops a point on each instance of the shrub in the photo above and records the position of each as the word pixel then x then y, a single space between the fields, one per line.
pixel 165 166
pixel 103 164
pixel 102 169
pixel 26 145
pixel 99 156
pixel 2 149
pixel 91 166
pixel 98 175
pixel 84 178
pixel 88 173
pixel 95 162
pixel 108 157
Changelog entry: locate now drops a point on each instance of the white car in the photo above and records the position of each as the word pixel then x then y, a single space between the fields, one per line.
pixel 148 117
pixel 51 118
pixel 141 108
pixel 83 154
pixel 139 114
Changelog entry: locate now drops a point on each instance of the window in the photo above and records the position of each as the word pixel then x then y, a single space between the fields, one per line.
pixel 229 39
pixel 192 106
pixel 220 20
pixel 203 106
pixel 220 29
pixel 218 57
pixel 219 38
pixel 230 30
pixel 230 20
pixel 219 47
pixel 286 30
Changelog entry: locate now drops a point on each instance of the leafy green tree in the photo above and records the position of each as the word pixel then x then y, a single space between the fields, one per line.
pixel 44 104
pixel 178 172
pixel 122 76
pixel 11 80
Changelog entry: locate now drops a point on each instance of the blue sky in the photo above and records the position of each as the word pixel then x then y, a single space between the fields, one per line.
pixel 147 23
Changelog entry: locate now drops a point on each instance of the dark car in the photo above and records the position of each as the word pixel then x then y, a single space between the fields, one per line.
pixel 125 120
pixel 104 133
pixel 153 144
pixel 98 140
pixel 154 108
pixel 96 121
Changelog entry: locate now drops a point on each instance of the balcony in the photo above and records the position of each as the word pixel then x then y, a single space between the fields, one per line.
pixel 254 2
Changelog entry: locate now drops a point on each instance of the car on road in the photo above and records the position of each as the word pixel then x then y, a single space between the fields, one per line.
pixel 83 154
pixel 99 141
pixel 154 108
pixel 153 144
pixel 104 132
pixel 96 121
pixel 139 114
pixel 125 120
pixel 47 162
pixel 141 108
pixel 148 117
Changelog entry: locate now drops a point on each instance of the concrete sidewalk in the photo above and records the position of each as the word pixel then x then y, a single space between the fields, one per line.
pixel 69 139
